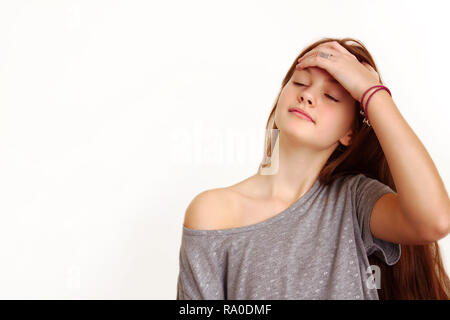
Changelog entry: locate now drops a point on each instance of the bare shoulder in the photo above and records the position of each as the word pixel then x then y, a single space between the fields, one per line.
pixel 219 208
pixel 210 209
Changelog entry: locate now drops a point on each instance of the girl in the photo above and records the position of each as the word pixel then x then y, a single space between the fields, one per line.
pixel 341 207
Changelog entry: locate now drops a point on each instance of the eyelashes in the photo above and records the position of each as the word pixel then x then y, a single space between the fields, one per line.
pixel 330 97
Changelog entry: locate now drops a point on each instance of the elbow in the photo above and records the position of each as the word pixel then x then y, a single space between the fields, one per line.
pixel 441 230
pixel 444 228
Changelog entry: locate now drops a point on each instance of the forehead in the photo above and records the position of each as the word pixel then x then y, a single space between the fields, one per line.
pixel 318 72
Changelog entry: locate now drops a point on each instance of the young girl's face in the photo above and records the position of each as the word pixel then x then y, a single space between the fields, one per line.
pixel 330 106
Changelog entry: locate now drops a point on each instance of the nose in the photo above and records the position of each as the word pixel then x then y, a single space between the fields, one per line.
pixel 306 98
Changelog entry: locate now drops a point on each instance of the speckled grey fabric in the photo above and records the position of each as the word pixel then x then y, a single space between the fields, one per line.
pixel 315 249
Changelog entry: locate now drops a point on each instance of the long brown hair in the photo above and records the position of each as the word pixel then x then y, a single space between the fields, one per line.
pixel 419 274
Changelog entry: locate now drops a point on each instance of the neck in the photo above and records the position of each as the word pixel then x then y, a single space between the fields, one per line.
pixel 294 170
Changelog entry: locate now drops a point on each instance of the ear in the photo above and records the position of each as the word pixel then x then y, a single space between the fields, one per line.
pixel 346 140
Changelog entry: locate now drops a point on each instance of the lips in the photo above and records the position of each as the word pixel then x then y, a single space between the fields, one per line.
pixel 295 109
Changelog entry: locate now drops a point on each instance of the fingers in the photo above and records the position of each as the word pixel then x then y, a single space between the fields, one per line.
pixel 332 46
pixel 314 53
pixel 312 59
pixel 335 45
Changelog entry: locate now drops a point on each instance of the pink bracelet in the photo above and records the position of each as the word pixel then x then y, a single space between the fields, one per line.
pixel 364 109
pixel 367 103
pixel 378 86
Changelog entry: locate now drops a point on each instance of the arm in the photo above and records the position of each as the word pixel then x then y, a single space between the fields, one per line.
pixel 422 200
pixel 202 256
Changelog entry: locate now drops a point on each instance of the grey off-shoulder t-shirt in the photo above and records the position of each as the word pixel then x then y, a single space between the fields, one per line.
pixel 315 249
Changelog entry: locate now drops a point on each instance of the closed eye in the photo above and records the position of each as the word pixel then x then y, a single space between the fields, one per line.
pixel 330 97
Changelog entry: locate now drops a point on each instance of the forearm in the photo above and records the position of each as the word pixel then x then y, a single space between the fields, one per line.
pixel 421 191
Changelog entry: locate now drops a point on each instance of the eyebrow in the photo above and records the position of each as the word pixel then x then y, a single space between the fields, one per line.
pixel 333 80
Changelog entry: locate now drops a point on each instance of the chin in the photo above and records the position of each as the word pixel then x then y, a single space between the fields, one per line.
pixel 294 131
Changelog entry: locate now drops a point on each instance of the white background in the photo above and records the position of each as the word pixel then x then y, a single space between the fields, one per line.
pixel 115 114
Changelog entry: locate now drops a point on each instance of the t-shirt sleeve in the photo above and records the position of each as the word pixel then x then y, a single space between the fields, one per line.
pixel 202 268
pixel 367 192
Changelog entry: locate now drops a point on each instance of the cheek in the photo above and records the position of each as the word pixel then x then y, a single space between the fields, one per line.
pixel 285 97
pixel 333 121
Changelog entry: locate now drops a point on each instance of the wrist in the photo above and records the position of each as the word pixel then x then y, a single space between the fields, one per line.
pixel 368 89
pixel 370 92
